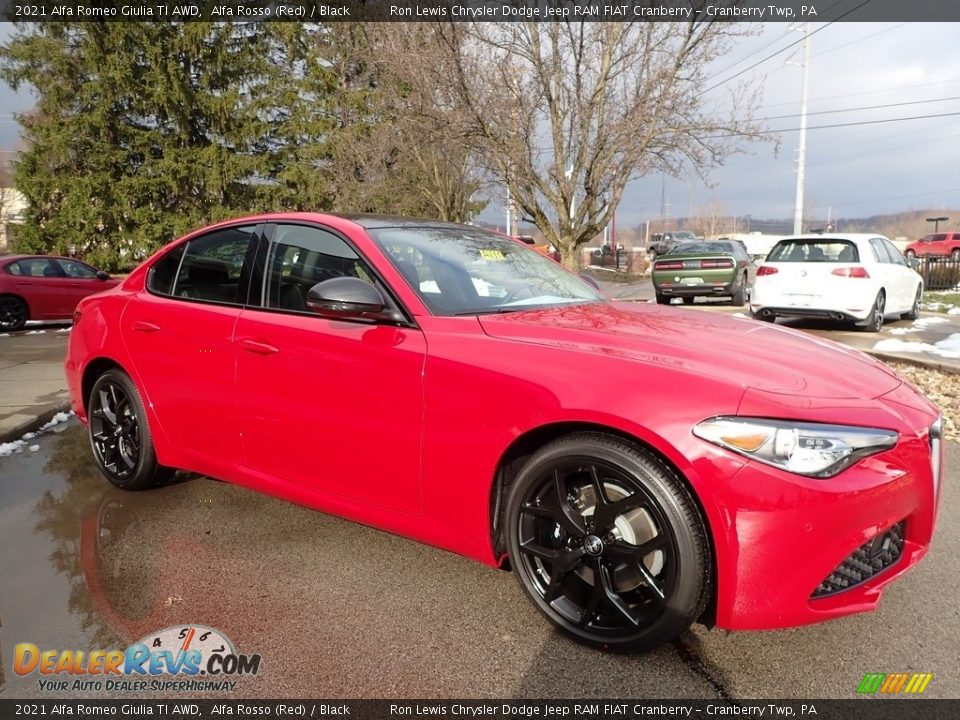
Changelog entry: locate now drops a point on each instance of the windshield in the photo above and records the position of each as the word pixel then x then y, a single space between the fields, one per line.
pixel 464 271
pixel 826 250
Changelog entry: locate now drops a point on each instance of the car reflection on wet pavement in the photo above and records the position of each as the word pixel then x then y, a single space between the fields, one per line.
pixel 336 609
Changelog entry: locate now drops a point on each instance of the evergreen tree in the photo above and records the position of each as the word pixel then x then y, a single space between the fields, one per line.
pixel 143 131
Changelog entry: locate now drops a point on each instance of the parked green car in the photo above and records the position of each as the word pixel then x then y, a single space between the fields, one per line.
pixel 703 269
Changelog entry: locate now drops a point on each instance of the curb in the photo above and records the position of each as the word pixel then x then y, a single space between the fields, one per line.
pixel 42 418
pixel 911 360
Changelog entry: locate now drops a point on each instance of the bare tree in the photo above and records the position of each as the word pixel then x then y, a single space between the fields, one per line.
pixel 713 220
pixel 566 113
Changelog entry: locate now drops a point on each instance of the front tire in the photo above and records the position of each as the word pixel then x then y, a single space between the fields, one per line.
pixel 13 313
pixel 120 436
pixel 608 543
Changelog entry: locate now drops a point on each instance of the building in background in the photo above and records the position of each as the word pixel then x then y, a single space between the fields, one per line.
pixel 12 206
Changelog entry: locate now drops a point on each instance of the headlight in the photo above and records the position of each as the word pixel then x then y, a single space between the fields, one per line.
pixel 808 449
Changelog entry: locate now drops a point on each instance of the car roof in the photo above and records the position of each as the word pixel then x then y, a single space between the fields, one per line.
pixel 852 237
pixel 11 258
pixel 371 221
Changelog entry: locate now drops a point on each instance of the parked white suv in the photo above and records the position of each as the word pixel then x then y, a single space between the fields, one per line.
pixel 858 278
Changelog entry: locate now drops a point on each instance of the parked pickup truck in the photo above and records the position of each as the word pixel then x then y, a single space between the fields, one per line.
pixel 661 243
pixel 937 244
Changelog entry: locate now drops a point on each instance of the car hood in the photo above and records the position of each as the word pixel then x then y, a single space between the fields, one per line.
pixel 752 354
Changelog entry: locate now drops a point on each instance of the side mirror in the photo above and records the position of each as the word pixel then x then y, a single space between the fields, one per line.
pixel 345 298
pixel 101 275
pixel 913 262
pixel 589 281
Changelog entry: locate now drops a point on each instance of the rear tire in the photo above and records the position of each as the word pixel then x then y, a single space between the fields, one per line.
pixel 607 542
pixel 740 296
pixel 955 255
pixel 763 318
pixel 13 313
pixel 120 436
pixel 874 323
pixel 915 310
pixel 663 299
pixel 688 300
pixel 910 254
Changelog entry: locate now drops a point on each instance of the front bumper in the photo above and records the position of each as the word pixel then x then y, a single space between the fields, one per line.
pixel 793 548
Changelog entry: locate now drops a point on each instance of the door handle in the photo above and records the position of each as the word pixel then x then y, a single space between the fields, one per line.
pixel 260 348
pixel 144 326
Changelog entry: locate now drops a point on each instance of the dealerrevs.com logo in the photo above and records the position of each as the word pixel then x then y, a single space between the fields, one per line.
pixel 902 683
pixel 183 653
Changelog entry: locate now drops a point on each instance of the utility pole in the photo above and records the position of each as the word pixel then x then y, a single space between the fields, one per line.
pixel 802 150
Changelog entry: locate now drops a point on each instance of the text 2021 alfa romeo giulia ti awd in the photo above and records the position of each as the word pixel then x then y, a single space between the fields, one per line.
pixel 639 467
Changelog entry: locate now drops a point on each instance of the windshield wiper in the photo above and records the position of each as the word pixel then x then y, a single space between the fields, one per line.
pixel 495 311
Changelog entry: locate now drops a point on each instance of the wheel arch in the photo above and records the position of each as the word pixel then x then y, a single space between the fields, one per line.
pixel 533 439
pixel 94 369
pixel 18 296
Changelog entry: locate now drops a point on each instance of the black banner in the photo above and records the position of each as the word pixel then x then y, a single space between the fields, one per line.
pixel 484 10
pixel 860 709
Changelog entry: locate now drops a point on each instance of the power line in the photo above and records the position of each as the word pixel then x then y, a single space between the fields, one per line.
pixel 784 49
pixel 838 125
pixel 865 107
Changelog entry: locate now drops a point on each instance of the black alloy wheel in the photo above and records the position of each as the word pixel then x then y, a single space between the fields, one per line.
pixel 13 313
pixel 608 543
pixel 119 434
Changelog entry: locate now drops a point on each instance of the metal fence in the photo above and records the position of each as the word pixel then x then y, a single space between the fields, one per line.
pixel 939 273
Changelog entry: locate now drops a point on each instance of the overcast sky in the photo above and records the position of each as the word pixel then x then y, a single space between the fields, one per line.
pixel 856 171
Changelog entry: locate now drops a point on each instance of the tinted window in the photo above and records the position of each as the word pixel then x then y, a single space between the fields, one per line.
pixel 74 269
pixel 33 267
pixel 162 273
pixel 895 256
pixel 212 263
pixel 879 251
pixel 463 271
pixel 703 247
pixel 826 250
pixel 938 238
pixel 302 256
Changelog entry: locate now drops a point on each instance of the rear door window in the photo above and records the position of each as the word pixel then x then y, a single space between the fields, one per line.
pixel 212 265
pixel 33 267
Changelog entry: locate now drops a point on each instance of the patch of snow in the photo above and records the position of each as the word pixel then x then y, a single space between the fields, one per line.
pixel 902 331
pixel 741 315
pixel 922 323
pixel 17 446
pixel 953 311
pixel 36 332
pixel 4 334
pixel 947 348
pixel 11 447
pixel 60 417
pixel 64 330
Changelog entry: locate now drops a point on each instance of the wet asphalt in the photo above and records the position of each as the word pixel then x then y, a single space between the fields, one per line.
pixel 341 610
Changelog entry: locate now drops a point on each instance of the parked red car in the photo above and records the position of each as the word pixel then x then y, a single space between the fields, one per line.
pixel 936 244
pixel 639 467
pixel 43 287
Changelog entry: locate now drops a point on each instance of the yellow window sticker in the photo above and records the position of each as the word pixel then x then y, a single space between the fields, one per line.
pixel 492 255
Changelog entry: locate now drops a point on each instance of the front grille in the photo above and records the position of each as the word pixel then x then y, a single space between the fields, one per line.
pixel 866 562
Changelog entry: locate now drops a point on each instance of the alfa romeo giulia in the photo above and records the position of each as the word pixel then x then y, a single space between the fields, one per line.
pixel 638 467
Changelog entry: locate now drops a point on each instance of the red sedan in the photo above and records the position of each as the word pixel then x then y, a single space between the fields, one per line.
pixel 43 287
pixel 638 467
